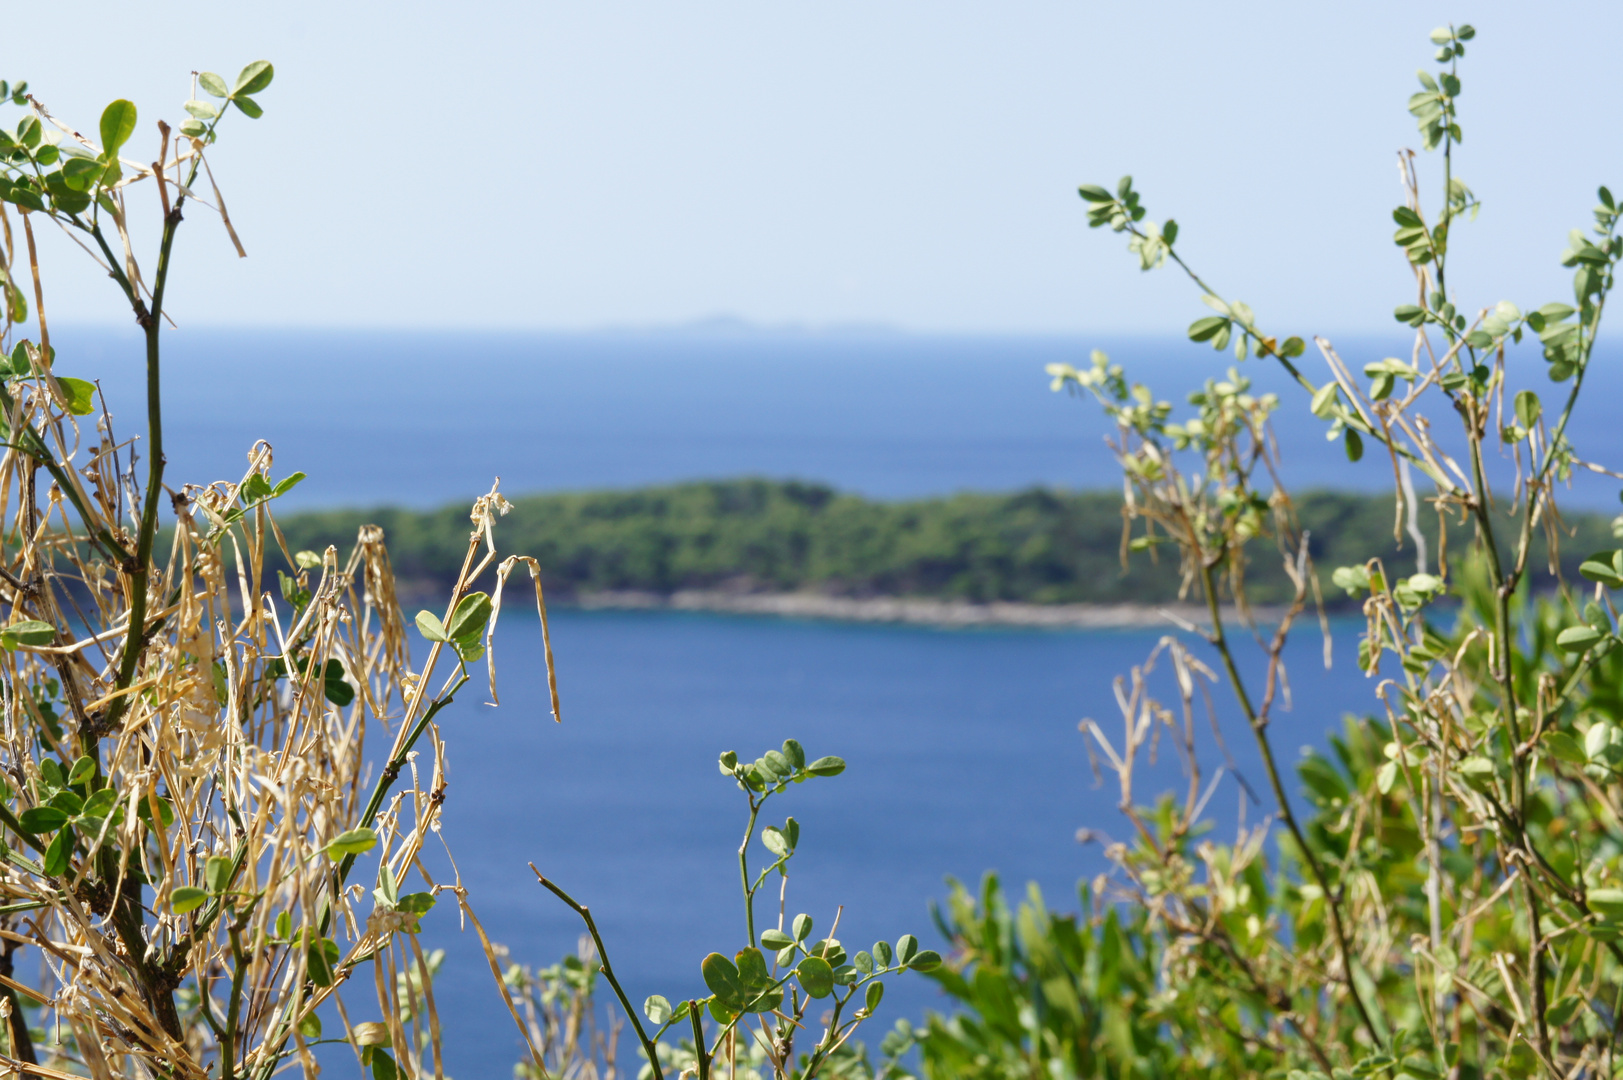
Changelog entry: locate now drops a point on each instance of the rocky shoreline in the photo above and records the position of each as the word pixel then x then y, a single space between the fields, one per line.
pixel 893 609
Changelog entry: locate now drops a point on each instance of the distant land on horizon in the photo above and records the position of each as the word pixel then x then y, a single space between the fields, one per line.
pixel 421 420
pixel 755 537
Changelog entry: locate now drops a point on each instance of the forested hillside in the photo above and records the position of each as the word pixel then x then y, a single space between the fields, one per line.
pixel 1039 546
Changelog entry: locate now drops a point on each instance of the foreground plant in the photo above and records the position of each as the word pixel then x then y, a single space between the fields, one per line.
pixel 185 792
pixel 761 1011
pixel 1452 901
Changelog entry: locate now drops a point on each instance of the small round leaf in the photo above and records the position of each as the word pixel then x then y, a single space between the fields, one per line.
pixel 816 976
pixel 186 898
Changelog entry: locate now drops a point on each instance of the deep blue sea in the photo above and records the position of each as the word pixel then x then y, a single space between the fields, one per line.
pixel 423 419
pixel 963 752
pixel 963 749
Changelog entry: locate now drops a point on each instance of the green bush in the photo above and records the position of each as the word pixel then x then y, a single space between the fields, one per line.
pixel 1450 903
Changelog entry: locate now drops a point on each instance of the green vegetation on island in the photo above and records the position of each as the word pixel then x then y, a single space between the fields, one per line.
pixel 1036 546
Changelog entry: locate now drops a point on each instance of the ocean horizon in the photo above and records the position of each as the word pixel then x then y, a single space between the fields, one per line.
pixel 426 418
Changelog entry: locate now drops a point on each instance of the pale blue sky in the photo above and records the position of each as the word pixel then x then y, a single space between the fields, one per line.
pixel 553 165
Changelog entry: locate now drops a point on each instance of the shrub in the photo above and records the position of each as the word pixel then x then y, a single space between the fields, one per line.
pixel 186 792
pixel 1449 901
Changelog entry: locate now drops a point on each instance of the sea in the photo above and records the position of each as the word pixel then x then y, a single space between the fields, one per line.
pixel 963 746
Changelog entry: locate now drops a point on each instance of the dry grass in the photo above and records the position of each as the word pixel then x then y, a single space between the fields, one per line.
pixel 195 748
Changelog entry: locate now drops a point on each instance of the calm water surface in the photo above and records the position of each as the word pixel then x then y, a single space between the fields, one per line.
pixel 963 746
pixel 964 757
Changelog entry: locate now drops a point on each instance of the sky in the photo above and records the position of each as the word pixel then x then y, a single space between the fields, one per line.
pixel 541 165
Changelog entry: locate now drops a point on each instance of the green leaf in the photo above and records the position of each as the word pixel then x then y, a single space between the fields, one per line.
pixel 212 84
pixel 816 976
pixel 1354 444
pixel 217 874
pixel 925 960
pixel 657 1009
pixel 1603 567
pixel 882 954
pixel 874 995
pixel 354 842
pixel 721 976
pixel 751 967
pixel 1324 400
pixel 1607 903
pixel 906 946
pixel 417 903
pixel 775 939
pixel 255 489
pixel 81 395
pixel 202 110
pixel 759 995
pixel 1598 740
pixel 468 621
pixel 428 624
pixel 801 927
pixel 827 766
pixel 1564 1010
pixel 1563 747
pixel 254 78
pixel 249 106
pixel 284 486
pixel 1409 313
pixel 25 196
pixel 187 898
pixel 101 803
pixel 1386 776
pixel 80 173
pixel 322 957
pixel 1095 194
pixel 334 687
pixel 1578 638
pixel 117 125
pixel 1476 771
pixel 57 855
pixel 306 560
pixel 82 770
pixel 830 950
pixel 794 753
pixel 383 1066
pixel 1207 328
pixel 42 819
pixel 775 842
pixel 196 129
pixel 166 812
pixel 1528 408
pixel 32 632
pixel 386 891
pixel 310 1027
